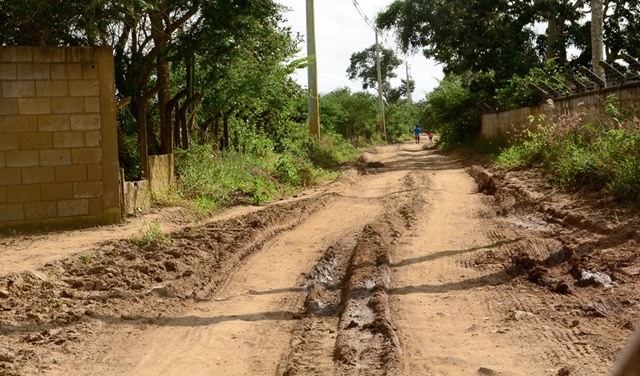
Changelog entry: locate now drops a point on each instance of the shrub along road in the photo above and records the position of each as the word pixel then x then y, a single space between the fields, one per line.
pixel 400 268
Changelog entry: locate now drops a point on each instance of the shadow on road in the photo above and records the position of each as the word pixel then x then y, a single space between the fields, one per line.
pixel 438 255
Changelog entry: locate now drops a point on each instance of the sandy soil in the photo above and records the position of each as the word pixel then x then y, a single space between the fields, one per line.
pixel 416 264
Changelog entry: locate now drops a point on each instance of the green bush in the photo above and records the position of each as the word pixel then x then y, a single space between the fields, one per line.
pixel 452 110
pixel 604 156
pixel 258 172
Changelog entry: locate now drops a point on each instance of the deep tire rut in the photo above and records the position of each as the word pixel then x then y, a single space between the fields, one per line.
pixel 353 333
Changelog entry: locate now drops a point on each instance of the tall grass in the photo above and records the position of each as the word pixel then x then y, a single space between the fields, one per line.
pixel 603 156
pixel 208 179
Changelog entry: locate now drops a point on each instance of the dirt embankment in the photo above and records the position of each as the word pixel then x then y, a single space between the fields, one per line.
pixel 418 274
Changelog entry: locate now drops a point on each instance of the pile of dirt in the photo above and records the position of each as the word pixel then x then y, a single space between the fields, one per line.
pixel 597 235
pixel 57 307
pixel 592 254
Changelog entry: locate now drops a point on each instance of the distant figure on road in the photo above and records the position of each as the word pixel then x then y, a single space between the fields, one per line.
pixel 430 136
pixel 416 132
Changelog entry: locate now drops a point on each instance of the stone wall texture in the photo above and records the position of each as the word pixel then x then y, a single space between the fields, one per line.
pixel 508 125
pixel 58 138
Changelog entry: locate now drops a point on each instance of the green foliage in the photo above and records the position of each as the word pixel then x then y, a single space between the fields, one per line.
pixel 363 67
pixel 259 171
pixel 452 110
pixel 401 118
pixel 466 36
pixel 603 156
pixel 85 259
pixel 352 115
pixel 330 151
pixel 204 206
pixel 150 234
pixel 516 93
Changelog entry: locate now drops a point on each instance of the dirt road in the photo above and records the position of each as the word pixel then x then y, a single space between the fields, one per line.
pixel 404 268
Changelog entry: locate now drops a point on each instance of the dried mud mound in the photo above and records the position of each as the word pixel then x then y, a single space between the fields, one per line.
pixel 581 247
pixel 57 308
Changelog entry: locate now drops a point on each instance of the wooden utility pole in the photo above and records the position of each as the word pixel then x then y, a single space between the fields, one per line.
pixel 312 72
pixel 383 128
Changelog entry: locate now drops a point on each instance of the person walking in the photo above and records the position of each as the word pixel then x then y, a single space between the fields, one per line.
pixel 416 132
pixel 430 136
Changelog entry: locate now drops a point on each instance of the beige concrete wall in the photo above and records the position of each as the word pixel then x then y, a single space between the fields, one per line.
pixel 161 172
pixel 137 195
pixel 507 125
pixel 58 140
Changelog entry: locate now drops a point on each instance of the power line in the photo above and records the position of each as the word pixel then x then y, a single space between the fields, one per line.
pixel 362 14
pixel 366 19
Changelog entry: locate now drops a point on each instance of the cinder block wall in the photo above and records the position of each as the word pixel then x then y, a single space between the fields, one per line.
pixel 508 124
pixel 58 138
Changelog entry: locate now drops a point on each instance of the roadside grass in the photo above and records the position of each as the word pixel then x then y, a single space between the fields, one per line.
pixel 150 233
pixel 210 179
pixel 603 156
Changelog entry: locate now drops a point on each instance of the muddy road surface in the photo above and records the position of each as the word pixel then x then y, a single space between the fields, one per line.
pixel 414 264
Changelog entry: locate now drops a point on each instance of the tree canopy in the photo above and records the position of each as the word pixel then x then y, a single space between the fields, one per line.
pixel 186 64
pixel 503 35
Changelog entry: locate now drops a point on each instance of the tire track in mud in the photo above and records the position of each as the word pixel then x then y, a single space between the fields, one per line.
pixel 56 310
pixel 359 318
pixel 248 319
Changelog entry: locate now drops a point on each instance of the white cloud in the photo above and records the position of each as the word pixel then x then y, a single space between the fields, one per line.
pixel 341 31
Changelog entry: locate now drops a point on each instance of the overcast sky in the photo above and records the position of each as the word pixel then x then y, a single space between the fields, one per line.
pixel 341 31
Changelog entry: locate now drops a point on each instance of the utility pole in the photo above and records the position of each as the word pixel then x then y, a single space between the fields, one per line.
pixel 312 72
pixel 408 85
pixel 380 99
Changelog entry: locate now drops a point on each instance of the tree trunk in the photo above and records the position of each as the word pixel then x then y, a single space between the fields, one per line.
pixel 597 37
pixel 161 42
pixel 216 130
pixel 225 132
pixel 177 128
pixel 556 46
pixel 169 136
pixel 143 145
pixel 183 120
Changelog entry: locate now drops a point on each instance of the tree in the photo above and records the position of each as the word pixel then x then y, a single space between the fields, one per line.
pixel 561 17
pixel 243 63
pixel 56 22
pixel 352 115
pixel 363 67
pixel 240 54
pixel 395 94
pixel 464 35
pixel 597 36
pixel 620 31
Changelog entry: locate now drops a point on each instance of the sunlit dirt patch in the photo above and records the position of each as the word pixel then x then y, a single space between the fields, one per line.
pixel 63 304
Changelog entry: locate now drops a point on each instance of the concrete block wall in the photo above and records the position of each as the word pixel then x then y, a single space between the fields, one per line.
pixel 137 195
pixel 508 124
pixel 58 137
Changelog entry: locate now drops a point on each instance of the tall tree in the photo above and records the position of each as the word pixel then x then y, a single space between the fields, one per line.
pixel 241 52
pixel 363 68
pixel 463 35
pixel 597 37
pixel 560 16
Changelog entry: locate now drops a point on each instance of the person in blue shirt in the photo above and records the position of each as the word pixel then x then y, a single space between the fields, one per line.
pixel 416 132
